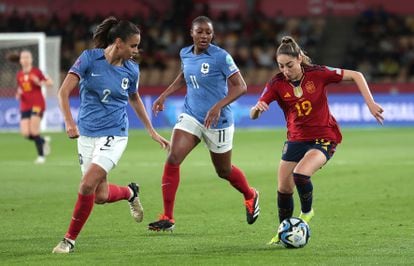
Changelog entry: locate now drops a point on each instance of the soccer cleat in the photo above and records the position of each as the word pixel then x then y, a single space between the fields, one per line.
pixel 252 207
pixel 40 160
pixel 163 224
pixel 275 240
pixel 46 146
pixel 307 217
pixel 64 246
pixel 137 211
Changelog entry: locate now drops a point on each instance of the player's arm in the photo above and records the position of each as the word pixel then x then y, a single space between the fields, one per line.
pixel 177 84
pixel 19 93
pixel 136 103
pixel 70 82
pixel 236 88
pixel 359 79
pixel 258 109
pixel 48 82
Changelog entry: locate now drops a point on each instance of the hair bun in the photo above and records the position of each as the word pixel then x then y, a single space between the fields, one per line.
pixel 287 39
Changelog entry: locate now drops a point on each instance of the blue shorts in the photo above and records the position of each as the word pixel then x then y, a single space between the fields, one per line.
pixel 293 151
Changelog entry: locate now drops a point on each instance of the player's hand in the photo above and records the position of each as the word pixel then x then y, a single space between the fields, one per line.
pixel 35 79
pixel 158 105
pixel 377 110
pixel 258 109
pixel 18 94
pixel 212 116
pixel 165 144
pixel 72 130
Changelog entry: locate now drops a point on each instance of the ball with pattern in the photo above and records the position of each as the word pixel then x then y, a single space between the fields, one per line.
pixel 294 232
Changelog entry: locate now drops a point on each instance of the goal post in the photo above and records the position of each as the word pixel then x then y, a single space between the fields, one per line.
pixel 46 56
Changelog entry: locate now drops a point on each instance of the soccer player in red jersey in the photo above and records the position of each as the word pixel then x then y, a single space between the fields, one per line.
pixel 312 131
pixel 30 80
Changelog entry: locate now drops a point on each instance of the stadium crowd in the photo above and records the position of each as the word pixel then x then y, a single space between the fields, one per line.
pixel 382 48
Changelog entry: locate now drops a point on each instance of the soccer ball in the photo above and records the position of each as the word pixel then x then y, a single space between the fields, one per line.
pixel 293 233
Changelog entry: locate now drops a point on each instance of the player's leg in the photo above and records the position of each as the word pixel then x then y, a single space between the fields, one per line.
pixel 285 187
pixel 25 124
pixel 318 154
pixel 183 141
pixel 34 128
pixel 83 207
pixel 237 179
pixel 108 193
pixel 25 131
pixel 220 144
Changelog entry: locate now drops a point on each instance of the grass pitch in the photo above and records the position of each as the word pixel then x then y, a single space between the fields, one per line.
pixel 363 203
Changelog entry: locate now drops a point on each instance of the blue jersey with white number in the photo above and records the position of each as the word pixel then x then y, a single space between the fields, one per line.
pixel 206 77
pixel 104 90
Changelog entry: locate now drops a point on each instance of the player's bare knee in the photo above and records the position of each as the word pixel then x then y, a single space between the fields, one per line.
pixel 174 159
pixel 224 173
pixel 100 199
pixel 87 188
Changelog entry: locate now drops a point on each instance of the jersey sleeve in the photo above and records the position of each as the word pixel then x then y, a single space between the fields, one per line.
pixel 135 80
pixel 227 64
pixel 40 75
pixel 269 94
pixel 332 74
pixel 80 67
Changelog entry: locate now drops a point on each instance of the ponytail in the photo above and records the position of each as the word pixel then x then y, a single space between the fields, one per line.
pixel 288 46
pixel 110 29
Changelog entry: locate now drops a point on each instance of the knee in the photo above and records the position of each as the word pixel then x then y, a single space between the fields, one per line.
pixel 100 199
pixel 174 159
pixel 224 172
pixel 87 188
pixel 301 179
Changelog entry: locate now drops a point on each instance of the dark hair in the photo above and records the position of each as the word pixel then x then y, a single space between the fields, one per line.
pixel 14 56
pixel 201 19
pixel 110 29
pixel 288 46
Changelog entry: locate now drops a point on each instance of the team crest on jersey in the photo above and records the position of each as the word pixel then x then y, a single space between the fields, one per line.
pixel 125 83
pixel 205 68
pixel 298 91
pixel 310 87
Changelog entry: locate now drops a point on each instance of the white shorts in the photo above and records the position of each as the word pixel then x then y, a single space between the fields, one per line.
pixel 103 151
pixel 216 140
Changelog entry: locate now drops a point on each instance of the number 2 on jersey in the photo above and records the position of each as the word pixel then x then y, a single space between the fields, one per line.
pixel 304 108
pixel 106 93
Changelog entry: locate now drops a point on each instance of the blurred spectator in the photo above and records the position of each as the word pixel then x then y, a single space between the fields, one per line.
pixel 251 40
pixel 384 42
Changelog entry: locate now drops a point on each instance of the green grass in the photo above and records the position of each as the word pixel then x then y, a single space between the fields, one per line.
pixel 363 203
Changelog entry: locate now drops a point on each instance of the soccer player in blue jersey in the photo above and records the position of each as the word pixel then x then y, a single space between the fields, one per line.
pixel 108 80
pixel 213 82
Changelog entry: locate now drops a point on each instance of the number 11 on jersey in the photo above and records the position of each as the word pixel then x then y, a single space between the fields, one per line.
pixel 194 82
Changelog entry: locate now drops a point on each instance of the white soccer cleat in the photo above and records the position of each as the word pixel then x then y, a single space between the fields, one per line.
pixel 135 206
pixel 40 160
pixel 63 247
pixel 46 146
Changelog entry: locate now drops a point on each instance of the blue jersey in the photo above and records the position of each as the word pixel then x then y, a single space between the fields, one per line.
pixel 104 91
pixel 206 77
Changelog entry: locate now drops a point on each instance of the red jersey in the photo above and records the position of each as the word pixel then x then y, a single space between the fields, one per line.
pixel 31 97
pixel 306 106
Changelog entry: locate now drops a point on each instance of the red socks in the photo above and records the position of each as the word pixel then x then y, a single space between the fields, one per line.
pixel 169 186
pixel 238 180
pixel 81 212
pixel 117 193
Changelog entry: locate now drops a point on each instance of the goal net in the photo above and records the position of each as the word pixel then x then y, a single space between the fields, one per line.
pixel 46 56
